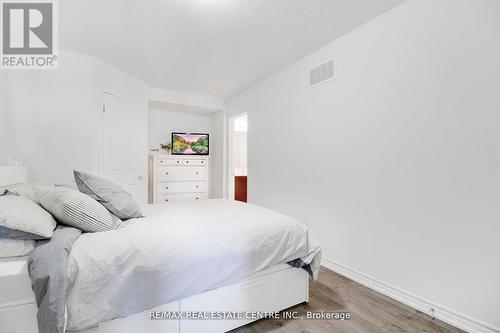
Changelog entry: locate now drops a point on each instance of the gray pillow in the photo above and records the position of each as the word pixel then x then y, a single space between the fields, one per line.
pixel 21 218
pixel 76 209
pixel 18 234
pixel 109 194
pixel 7 192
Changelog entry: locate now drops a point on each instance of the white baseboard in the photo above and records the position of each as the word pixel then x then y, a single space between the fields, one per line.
pixel 449 316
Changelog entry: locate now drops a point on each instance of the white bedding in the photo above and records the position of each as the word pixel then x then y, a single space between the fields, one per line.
pixel 178 250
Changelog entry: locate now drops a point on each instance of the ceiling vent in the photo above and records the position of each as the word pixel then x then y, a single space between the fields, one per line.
pixel 322 73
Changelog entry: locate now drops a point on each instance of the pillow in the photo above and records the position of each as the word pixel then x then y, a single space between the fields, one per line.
pixel 7 192
pixel 76 209
pixel 22 218
pixel 15 248
pixel 68 185
pixel 24 190
pixel 27 190
pixel 109 194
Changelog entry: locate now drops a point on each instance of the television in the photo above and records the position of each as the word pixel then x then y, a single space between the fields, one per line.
pixel 190 144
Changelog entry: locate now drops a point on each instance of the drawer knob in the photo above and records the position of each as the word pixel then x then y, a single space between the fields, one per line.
pixel 202 162
pixel 166 173
pixel 197 173
pixel 166 187
pixel 187 161
pixel 197 186
pixel 166 200
pixel 197 198
pixel 177 161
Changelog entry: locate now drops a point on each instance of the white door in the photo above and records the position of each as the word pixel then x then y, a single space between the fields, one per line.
pixel 125 145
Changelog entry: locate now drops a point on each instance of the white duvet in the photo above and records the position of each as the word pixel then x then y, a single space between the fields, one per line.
pixel 176 251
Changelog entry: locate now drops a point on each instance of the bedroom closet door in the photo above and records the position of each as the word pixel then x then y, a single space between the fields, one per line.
pixel 125 145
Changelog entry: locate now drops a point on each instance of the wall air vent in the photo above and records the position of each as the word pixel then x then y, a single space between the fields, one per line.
pixel 322 73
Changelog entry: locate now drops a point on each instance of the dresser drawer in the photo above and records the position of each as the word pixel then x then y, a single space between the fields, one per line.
pixel 180 161
pixel 181 197
pixel 194 162
pixel 183 187
pixel 181 174
pixel 168 161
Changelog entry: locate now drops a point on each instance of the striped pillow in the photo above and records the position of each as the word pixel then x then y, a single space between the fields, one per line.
pixel 76 209
pixel 68 185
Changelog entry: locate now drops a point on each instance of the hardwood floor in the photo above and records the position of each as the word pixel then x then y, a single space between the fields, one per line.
pixel 370 311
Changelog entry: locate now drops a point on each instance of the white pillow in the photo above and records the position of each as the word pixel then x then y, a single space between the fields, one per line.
pixel 27 190
pixel 15 248
pixel 76 209
pixel 24 190
pixel 21 215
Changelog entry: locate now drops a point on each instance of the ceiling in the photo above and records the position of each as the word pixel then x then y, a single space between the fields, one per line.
pixel 214 47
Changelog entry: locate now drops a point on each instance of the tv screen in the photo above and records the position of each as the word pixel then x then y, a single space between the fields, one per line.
pixel 190 144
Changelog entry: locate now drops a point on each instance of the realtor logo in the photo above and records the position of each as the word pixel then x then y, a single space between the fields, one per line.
pixel 28 34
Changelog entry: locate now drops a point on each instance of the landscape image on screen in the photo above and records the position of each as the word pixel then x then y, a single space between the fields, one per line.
pixel 190 144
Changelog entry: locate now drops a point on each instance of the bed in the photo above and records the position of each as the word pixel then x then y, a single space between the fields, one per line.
pixel 208 256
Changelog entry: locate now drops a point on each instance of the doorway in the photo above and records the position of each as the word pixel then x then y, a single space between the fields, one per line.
pixel 238 168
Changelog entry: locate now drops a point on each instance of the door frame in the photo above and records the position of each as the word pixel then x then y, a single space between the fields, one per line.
pixel 230 179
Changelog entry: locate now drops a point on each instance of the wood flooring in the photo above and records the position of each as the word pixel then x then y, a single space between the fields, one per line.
pixel 371 312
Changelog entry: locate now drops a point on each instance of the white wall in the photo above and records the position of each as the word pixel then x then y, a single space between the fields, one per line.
pixel 3 116
pixel 217 142
pixel 395 164
pixel 239 150
pixel 55 116
pixel 239 144
pixel 162 123
pixel 186 98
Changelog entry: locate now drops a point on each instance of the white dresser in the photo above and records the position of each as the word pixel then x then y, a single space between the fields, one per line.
pixel 174 178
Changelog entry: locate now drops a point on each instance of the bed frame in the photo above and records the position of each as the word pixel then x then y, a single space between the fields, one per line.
pixel 274 289
pixel 271 290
